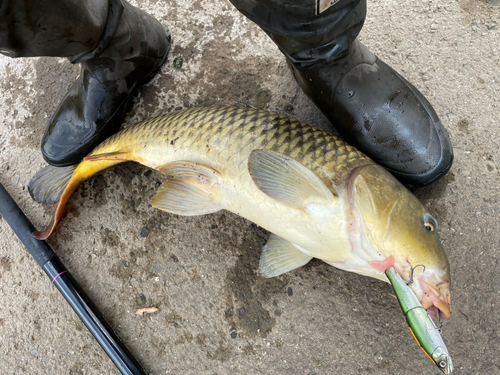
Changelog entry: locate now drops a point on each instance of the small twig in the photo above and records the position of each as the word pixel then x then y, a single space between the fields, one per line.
pixel 463 313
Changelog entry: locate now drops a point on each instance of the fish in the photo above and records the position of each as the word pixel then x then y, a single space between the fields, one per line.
pixel 318 196
pixel 422 327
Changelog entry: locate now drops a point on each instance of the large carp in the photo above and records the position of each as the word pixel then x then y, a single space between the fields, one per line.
pixel 318 196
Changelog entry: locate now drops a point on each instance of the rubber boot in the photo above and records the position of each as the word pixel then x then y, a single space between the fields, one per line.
pixel 368 102
pixel 60 28
pixel 119 48
pixel 133 47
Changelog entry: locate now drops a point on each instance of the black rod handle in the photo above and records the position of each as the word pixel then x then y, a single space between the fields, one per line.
pixel 69 288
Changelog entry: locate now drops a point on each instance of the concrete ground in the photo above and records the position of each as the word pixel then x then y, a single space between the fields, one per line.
pixel 217 315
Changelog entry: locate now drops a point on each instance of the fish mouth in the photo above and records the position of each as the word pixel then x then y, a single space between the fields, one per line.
pixel 436 299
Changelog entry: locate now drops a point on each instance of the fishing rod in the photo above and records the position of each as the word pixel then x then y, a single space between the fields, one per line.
pixel 69 288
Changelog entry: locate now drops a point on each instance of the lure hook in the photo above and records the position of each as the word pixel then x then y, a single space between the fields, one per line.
pixel 412 270
pixel 441 325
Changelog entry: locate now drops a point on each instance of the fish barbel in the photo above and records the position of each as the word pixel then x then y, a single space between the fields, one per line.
pixel 317 195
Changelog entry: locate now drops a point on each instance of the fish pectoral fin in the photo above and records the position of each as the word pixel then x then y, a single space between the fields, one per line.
pixel 280 256
pixel 189 191
pixel 286 180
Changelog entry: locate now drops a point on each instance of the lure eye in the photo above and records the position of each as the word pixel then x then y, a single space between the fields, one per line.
pixel 430 224
pixel 442 364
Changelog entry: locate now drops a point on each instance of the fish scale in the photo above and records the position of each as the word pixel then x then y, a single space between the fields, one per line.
pixel 223 133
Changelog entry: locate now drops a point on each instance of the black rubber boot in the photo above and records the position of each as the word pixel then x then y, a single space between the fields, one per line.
pixel 61 28
pixel 132 49
pixel 379 112
pixel 370 104
pixel 119 47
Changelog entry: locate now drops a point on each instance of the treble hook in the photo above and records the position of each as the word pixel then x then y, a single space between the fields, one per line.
pixel 412 269
pixel 441 325
pixel 440 318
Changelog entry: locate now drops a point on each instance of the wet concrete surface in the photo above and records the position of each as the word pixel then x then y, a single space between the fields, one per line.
pixel 218 316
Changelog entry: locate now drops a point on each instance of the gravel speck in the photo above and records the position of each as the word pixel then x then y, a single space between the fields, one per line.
pixel 144 232
pixel 178 62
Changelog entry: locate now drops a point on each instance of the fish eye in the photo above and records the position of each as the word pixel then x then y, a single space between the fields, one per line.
pixel 430 224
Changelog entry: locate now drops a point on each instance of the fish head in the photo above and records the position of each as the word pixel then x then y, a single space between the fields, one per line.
pixel 402 234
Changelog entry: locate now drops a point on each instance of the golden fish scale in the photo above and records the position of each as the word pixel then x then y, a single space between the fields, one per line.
pixel 227 135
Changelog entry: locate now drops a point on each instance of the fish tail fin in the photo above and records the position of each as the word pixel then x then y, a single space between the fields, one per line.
pixel 47 185
pixel 69 188
pixel 53 184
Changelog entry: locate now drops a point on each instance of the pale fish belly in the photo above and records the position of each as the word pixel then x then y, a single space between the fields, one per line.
pixel 323 236
pixel 360 266
pixel 362 254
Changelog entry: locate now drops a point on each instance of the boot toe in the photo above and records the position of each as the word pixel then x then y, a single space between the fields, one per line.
pixel 382 114
pixel 79 123
pixel 68 142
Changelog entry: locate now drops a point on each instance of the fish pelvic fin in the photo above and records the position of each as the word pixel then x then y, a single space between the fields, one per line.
pixel 280 256
pixel 288 181
pixel 190 190
pixel 53 183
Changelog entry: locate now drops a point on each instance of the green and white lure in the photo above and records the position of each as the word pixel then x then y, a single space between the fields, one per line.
pixel 421 325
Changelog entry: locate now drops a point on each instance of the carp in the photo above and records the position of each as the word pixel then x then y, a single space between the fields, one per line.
pixel 318 196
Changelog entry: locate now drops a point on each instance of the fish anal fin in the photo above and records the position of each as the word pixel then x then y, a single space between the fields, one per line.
pixel 288 181
pixel 191 189
pixel 118 155
pixel 280 256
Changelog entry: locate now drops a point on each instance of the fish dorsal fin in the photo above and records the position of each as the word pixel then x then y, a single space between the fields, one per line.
pixel 116 155
pixel 189 191
pixel 280 256
pixel 286 180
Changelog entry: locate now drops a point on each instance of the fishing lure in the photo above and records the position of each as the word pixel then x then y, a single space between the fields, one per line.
pixel 421 325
